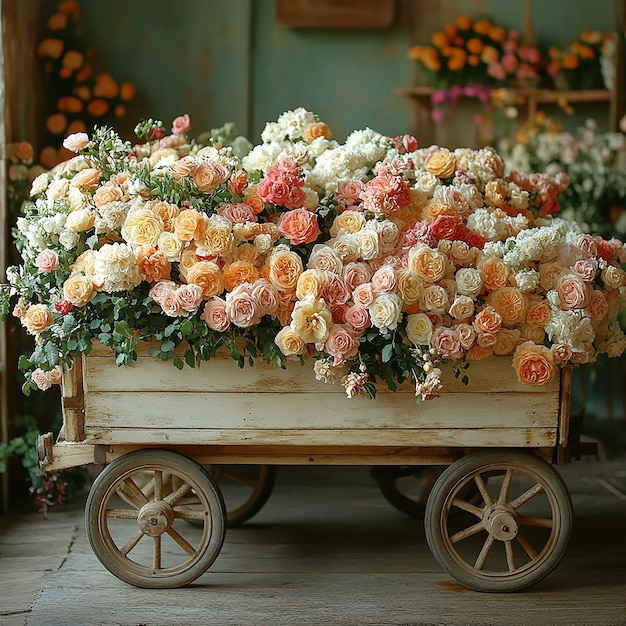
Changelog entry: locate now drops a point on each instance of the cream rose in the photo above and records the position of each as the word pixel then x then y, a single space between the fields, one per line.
pixel 311 320
pixel 79 289
pixel 469 281
pixel 409 286
pixel 347 222
pixel 142 227
pixel 386 311
pixel 80 220
pixel 419 329
pixel 170 245
pixel 289 343
pixel 435 299
pixel 612 277
pixel 462 307
pixel 37 318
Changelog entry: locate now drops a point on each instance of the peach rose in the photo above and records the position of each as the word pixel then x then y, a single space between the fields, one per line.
pixel 348 221
pixel 409 286
pixel 47 261
pixel 310 283
pixel 239 272
pixel 428 264
pixel 189 224
pixel 510 303
pixel 478 352
pixel 533 364
pixel 285 267
pixel 598 306
pixel 323 257
pixel 311 320
pixel 549 274
pixel 561 353
pixel 440 162
pixel 186 166
pixel 506 341
pixel 495 273
pixel 363 295
pixel 586 269
pixel 488 320
pixel 189 297
pixel 462 307
pixel 207 177
pixel 356 273
pixel 78 289
pixel 218 239
pixel 87 178
pixel 467 335
pixel 538 313
pixel 435 299
pixel 612 277
pixel 37 318
pixel 315 130
pixel 107 193
pixel 207 275
pixel 153 264
pixel 300 226
pixel 215 315
pixel 573 292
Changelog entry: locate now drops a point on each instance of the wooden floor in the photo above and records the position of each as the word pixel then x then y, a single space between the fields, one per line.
pixel 326 549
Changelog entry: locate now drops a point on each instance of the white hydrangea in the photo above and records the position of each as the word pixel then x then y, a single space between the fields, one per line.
pixel 571 328
pixel 115 268
pixel 527 280
pixel 289 126
pixel 261 157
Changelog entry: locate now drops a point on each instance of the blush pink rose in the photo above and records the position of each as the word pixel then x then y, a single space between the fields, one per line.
pixel 356 273
pixel 189 297
pixel 335 290
pixel 357 317
pixel 41 379
pixel 338 312
pixel 47 261
pixel 573 292
pixel 170 304
pixel 299 226
pixel 239 213
pixel 158 290
pixel 241 306
pixel 266 296
pixel 384 279
pixel 363 295
pixel 215 314
pixel 598 306
pixel 341 344
pixel 349 191
pixel 585 269
pixel 181 124
pixel 447 342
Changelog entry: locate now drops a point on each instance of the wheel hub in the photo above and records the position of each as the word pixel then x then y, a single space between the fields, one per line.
pixel 155 518
pixel 501 523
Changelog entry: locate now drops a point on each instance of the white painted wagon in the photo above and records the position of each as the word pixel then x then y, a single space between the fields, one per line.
pixel 498 518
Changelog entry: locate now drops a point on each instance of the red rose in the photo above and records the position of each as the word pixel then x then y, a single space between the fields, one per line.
pixel 63 306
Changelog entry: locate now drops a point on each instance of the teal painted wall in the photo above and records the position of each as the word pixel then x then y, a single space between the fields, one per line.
pixel 231 60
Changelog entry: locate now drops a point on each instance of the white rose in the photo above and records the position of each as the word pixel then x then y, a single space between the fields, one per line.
pixel 40 184
pixel 385 311
pixel 68 239
pixel 367 242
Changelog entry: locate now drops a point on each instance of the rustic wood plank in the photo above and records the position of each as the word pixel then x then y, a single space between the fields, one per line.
pixel 223 374
pixel 72 401
pixel 485 437
pixel 176 410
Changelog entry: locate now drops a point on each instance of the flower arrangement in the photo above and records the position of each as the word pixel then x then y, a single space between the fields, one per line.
pixel 595 163
pixel 476 52
pixel 578 64
pixel 377 260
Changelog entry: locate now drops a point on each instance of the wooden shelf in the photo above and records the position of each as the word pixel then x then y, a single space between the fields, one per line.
pixel 533 98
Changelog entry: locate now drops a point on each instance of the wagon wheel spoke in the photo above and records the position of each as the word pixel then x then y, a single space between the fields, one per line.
pixel 237 478
pixel 530 551
pixel 542 522
pixel 526 496
pixel 190 500
pixel 158 485
pixel 506 485
pixel 182 491
pixel 199 515
pixel 156 557
pixel 122 513
pixel 468 506
pixel 510 559
pixel 484 553
pixel 181 541
pixel 131 543
pixel 470 531
pixel 482 487
pixel 131 494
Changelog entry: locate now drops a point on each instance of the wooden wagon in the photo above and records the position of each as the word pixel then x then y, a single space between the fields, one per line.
pixel 498 518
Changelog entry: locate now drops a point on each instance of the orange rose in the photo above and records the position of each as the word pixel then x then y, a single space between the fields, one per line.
pixel 511 303
pixel 315 130
pixel 495 273
pixel 478 352
pixel 87 178
pixel 533 364
pixel 538 313
pixel 239 272
pixel 153 264
pixel 488 320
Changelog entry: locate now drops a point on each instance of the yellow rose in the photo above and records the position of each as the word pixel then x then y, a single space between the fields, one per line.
pixel 441 163
pixel 81 220
pixel 142 227
pixel 310 283
pixel 37 318
pixel 289 343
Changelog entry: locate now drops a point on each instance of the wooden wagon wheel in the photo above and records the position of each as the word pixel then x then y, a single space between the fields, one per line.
pixel 134 519
pixel 245 489
pixel 514 536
